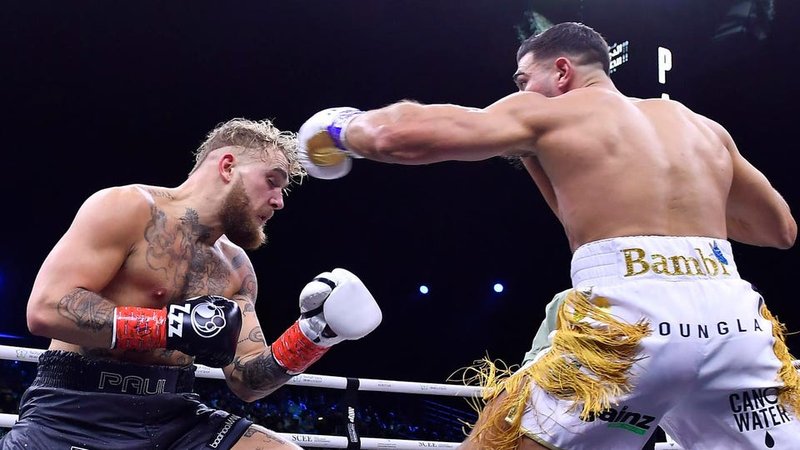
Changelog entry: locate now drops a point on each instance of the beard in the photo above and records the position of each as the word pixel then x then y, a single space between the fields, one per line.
pixel 238 222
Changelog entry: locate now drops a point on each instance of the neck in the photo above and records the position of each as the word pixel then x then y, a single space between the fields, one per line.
pixel 200 197
pixel 599 80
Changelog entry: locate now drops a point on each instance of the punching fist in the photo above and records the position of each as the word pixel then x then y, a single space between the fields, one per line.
pixel 334 307
pixel 206 327
pixel 321 143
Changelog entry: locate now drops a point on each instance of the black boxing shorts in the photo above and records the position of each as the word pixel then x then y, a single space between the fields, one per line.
pixel 77 403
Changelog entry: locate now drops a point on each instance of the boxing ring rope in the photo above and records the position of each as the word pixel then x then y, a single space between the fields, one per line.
pixel 309 380
pixel 331 382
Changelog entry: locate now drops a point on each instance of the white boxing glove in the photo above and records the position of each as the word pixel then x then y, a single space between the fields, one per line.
pixel 321 143
pixel 334 307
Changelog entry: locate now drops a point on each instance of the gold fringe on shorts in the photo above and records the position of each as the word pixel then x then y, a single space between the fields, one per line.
pixel 789 393
pixel 588 364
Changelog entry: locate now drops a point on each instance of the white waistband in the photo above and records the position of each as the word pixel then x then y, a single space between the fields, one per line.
pixel 674 258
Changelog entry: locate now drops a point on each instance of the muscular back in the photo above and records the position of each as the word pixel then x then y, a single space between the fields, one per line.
pixel 618 166
pixel 156 256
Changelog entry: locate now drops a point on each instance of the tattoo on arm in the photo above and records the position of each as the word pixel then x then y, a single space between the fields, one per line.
pixel 262 373
pixel 249 287
pixel 255 335
pixel 88 310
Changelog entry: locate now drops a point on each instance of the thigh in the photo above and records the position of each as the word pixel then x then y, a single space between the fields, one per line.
pixel 258 437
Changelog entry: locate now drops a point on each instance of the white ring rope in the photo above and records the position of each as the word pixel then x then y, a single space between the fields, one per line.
pixel 326 381
pixel 306 379
pixel 321 381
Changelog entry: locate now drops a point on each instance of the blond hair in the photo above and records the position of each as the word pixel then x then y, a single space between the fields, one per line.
pixel 254 137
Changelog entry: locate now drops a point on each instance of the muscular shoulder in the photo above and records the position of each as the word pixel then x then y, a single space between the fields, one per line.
pixel 118 203
pixel 112 216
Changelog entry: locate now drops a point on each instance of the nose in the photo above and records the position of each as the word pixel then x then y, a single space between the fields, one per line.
pixel 276 201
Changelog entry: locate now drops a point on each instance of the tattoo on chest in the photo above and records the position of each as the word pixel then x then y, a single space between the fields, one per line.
pixel 176 249
pixel 87 310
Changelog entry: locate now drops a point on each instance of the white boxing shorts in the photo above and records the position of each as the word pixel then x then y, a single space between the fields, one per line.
pixel 704 368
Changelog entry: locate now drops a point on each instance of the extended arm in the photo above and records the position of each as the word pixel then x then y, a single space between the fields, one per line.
pixel 411 133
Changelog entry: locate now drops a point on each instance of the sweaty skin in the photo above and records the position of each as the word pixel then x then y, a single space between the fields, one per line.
pixel 607 165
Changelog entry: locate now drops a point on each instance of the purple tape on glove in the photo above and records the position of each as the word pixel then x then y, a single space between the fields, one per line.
pixel 338 124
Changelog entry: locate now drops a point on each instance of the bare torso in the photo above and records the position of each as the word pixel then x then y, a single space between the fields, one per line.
pixel 167 263
pixel 619 166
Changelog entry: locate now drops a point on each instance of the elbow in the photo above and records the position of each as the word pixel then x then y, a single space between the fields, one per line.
pixel 38 321
pixel 244 394
pixel 243 391
pixel 249 396
pixel 788 236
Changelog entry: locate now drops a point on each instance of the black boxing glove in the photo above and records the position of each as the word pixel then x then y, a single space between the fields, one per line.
pixel 206 327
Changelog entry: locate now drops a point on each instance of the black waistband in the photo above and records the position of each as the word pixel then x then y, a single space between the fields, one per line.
pixel 68 370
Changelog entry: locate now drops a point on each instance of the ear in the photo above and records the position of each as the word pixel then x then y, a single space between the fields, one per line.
pixel 225 165
pixel 566 72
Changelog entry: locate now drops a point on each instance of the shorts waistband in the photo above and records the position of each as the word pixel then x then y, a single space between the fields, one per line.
pixel 672 258
pixel 69 370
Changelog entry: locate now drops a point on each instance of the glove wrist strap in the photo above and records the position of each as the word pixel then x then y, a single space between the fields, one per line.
pixel 295 352
pixel 338 128
pixel 138 328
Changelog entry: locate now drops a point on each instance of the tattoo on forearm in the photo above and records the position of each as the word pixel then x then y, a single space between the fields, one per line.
pixel 88 310
pixel 262 373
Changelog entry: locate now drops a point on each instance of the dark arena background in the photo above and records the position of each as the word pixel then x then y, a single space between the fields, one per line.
pixel 102 93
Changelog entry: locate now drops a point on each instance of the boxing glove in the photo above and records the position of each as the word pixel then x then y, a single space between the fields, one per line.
pixel 206 327
pixel 321 143
pixel 334 307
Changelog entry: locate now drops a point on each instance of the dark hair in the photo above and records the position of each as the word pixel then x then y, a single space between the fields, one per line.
pixel 569 38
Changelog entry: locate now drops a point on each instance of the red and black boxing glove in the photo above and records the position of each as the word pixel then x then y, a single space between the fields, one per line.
pixel 206 327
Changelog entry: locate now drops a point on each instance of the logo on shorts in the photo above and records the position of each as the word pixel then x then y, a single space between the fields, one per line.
pixel 226 428
pixel 639 262
pixel 130 384
pixel 758 409
pixel 627 420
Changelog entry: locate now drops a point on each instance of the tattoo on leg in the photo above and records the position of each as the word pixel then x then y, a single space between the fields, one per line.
pixel 263 434
pixel 87 309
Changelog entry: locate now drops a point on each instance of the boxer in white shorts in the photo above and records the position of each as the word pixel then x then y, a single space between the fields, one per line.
pixel 609 165
pixel 714 380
